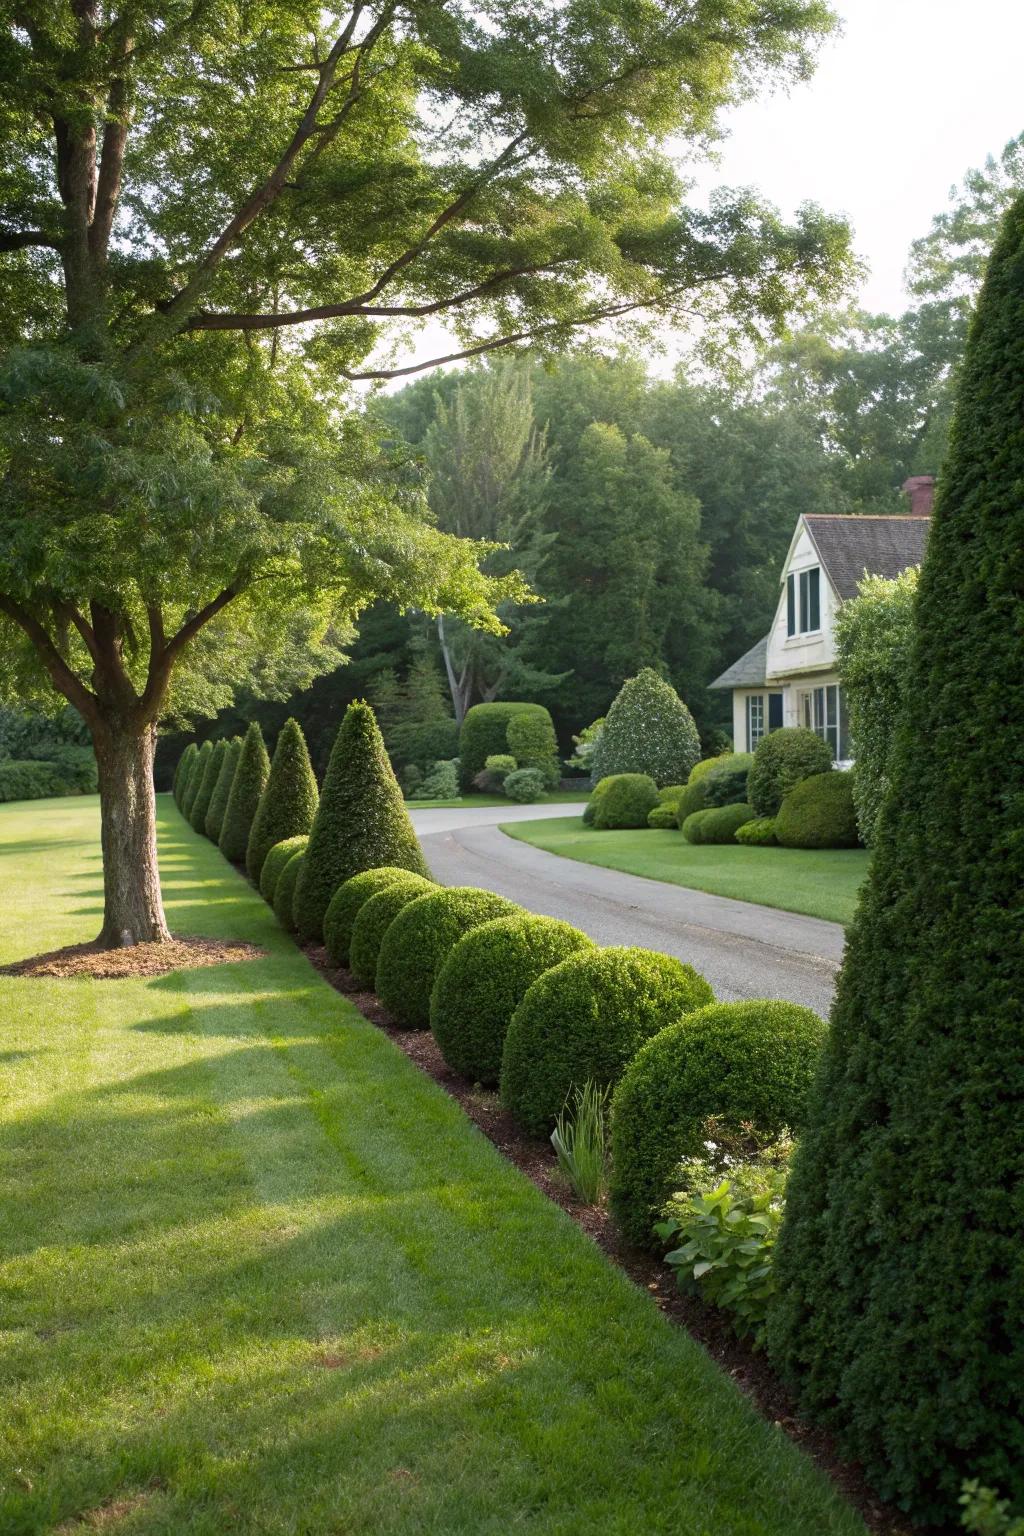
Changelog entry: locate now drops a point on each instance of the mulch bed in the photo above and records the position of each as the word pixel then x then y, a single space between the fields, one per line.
pixel 104 964
pixel 750 1371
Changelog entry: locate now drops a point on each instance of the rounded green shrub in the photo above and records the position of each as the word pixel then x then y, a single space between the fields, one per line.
pixel 244 795
pixel 194 784
pixel 662 817
pixel 284 891
pixel 648 729
pixel 759 833
pixel 441 782
pixel 705 766
pixel 345 906
pixel 275 862
pixel 485 978
pixel 289 801
pixel 692 800
pixel 531 739
pixel 724 760
pixel 782 759
pixel 183 772
pixel 418 942
pixel 484 732
pixel 717 826
pixel 219 799
pixel 671 794
pixel 585 1020
pixel 373 920
pixel 726 785
pixel 361 823
pixel 743 1063
pixel 204 795
pixel 524 786
pixel 626 800
pixel 590 809
pixel 819 813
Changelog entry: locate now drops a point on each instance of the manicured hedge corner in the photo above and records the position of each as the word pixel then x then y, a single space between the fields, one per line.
pixel 819 813
pixel 717 826
pixel 586 1019
pixel 484 733
pixel 346 904
pixel 274 864
pixel 361 823
pixel 373 920
pixel 419 941
pixel 284 891
pixel 625 801
pixel 289 801
pixel 751 1062
pixel 782 759
pixel 214 824
pixel 244 797
pixel 204 795
pixel 483 981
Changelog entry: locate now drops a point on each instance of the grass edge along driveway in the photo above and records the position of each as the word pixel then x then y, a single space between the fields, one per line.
pixel 259 1274
pixel 816 882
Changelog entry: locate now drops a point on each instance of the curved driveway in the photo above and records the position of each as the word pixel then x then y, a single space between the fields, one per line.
pixel 743 949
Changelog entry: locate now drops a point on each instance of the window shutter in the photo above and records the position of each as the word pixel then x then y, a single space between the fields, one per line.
pixel 790 605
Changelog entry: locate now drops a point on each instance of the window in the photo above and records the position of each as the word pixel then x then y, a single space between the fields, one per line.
pixel 823 711
pixel 755 719
pixel 803 602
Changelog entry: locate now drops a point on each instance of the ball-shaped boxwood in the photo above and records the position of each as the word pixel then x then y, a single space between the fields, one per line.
pixel 750 1062
pixel 483 981
pixel 284 891
pixel 782 759
pixel 626 800
pixel 662 817
pixel 716 826
pixel 419 941
pixel 373 920
pixel 693 799
pixel 819 813
pixel 585 1020
pixel 345 906
pixel 274 864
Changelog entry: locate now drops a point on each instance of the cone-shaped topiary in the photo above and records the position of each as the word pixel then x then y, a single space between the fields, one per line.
pixel 211 773
pixel 483 981
pixel 275 861
pixel 194 784
pixel 244 796
pixel 183 772
pixel 284 891
pixel 361 824
pixel 222 789
pixel 900 1264
pixel 647 730
pixel 744 1063
pixel 345 905
pixel 289 801
pixel 418 942
pixel 374 919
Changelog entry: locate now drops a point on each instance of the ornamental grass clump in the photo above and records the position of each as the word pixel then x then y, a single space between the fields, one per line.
pixel 244 795
pixel 580 1140
pixel 648 729
pixel 274 864
pixel 346 904
pixel 204 795
pixel 373 920
pixel 419 941
pixel 585 1020
pixel 485 978
pixel 222 789
pixel 288 803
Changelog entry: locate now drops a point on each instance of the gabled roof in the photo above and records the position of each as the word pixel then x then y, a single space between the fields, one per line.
pixel 750 669
pixel 848 545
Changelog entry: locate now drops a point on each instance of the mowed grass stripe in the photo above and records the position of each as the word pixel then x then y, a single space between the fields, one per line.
pixel 261 1275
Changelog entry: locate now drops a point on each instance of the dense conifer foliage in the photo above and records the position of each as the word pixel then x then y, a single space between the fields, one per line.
pixel 244 796
pixel 289 801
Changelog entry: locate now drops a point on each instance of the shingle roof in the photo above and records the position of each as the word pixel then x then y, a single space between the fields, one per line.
pixel 849 545
pixel 749 669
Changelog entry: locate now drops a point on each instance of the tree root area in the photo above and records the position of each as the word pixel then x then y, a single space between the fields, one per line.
pixel 103 964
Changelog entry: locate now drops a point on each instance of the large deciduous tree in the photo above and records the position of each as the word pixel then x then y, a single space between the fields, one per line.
pixel 214 216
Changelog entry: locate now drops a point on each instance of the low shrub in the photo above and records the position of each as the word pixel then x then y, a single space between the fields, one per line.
pixel 484 731
pixel 440 783
pixel 494 772
pixel 671 794
pixel 819 813
pixel 746 1063
pixel 584 1020
pixel 662 817
pixel 410 778
pixel 705 766
pixel 782 759
pixel 284 890
pixel 75 765
pixel 373 920
pixel 28 780
pixel 524 785
pixel 346 904
pixel 759 833
pixel 275 862
pixel 418 942
pixel 626 800
pixel 725 786
pixel 693 799
pixel 717 826
pixel 985 1513
pixel 531 739
pixel 590 809
pixel 485 978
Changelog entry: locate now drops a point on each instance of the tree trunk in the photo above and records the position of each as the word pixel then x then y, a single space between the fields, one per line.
pixel 133 911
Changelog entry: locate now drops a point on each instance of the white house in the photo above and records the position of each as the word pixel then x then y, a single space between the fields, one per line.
pixel 790 677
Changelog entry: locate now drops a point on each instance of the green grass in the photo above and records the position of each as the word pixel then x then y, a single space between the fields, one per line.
pixel 556 797
pixel 258 1274
pixel 819 883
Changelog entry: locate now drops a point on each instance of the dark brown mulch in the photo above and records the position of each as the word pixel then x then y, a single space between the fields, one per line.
pixel 749 1370
pixel 104 964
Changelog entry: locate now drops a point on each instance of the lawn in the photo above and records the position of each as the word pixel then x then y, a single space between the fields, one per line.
pixel 818 883
pixel 261 1275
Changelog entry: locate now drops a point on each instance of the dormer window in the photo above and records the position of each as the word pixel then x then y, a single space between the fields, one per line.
pixel 803 602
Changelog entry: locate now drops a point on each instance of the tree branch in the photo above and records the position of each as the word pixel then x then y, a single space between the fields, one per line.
pixel 17 240
pixel 193 625
pixel 61 676
pixel 108 186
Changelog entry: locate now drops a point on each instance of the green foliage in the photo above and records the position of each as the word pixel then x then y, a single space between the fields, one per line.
pixel 29 780
pixel 693 799
pixel 899 1265
pixel 289 801
pixel 584 1020
pixel 414 715
pixel 274 864
pixel 759 833
pixel 719 825
pixel 345 906
pixel 584 744
pixel 782 759
pixel 524 785
pixel 204 794
pixel 183 774
pixel 626 800
pixel 373 920
pixel 580 1140
pixel 819 812
pixel 743 1063
pixel 531 739
pixel 495 771
pixel 874 634
pixel 418 942
pixel 709 764
pixel 361 822
pixel 441 783
pixel 725 786
pixel 485 732
pixel 247 786
pixel 648 730
pixel 195 782
pixel 663 817
pixel 484 979
pixel 985 1513
pixel 285 888
pixel 671 794
pixel 214 823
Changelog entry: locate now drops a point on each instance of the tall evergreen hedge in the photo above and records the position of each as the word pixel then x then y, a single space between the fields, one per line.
pixel 484 734
pixel 195 780
pixel 244 796
pixel 289 801
pixel 183 772
pixel 361 822
pixel 211 773
pixel 222 788
pixel 648 729
pixel 900 1264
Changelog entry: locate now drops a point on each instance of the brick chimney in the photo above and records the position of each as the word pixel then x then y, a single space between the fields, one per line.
pixel 921 490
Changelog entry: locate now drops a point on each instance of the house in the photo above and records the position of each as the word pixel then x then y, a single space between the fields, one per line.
pixel 790 677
